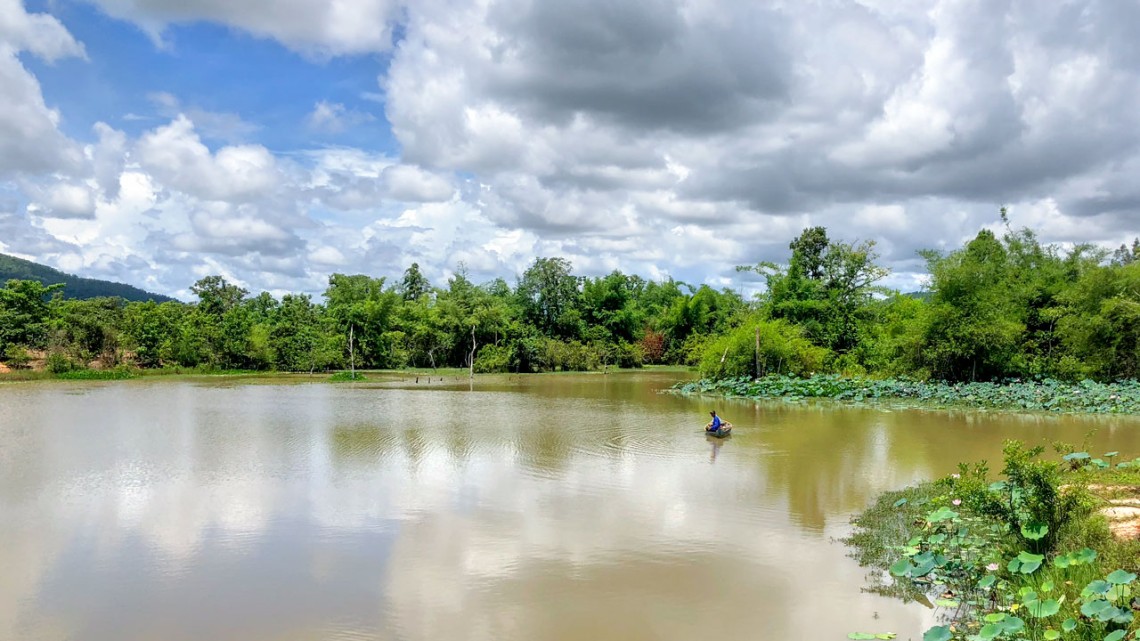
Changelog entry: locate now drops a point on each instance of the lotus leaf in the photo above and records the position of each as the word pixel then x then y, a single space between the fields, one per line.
pixel 937 633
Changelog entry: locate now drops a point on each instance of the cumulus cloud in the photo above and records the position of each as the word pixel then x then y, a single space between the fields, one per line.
pixel 30 140
pixel 601 121
pixel 663 137
pixel 65 200
pixel 176 155
pixel 322 27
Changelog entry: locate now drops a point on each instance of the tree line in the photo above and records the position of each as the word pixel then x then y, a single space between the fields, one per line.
pixel 1003 306
pixel 549 320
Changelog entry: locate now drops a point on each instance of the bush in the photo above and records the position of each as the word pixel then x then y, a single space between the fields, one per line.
pixel 1029 501
pixel 493 359
pixel 629 355
pixel 58 363
pixel 783 349
pixel 17 357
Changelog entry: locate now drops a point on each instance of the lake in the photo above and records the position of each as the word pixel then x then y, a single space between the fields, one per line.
pixel 546 507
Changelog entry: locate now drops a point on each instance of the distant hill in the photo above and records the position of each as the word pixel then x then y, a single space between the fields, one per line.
pixel 73 286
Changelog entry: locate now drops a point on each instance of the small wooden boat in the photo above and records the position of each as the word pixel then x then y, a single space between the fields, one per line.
pixel 724 430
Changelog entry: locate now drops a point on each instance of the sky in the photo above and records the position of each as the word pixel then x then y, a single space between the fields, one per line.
pixel 275 142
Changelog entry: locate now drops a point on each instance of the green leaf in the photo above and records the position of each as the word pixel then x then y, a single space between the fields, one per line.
pixel 1069 625
pixel 1119 577
pixel 990 631
pixel 1042 609
pixel 1029 567
pixel 946 603
pixel 1095 607
pixel 1013 625
pixel 1047 586
pixel 1051 635
pixel 1111 454
pixel 1076 456
pixel 899 503
pixel 987 581
pixel 1115 636
pixel 922 569
pixel 1086 555
pixel 1034 531
pixel 861 636
pixel 995 617
pixel 1096 587
pixel 1061 561
pixel 941 514
pixel 901 567
pixel 937 633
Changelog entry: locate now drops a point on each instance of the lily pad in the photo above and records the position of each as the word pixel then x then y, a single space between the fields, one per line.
pixel 1120 577
pixel 937 633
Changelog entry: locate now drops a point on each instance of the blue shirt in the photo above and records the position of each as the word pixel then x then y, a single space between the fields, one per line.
pixel 716 423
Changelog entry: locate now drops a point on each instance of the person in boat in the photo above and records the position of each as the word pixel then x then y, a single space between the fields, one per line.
pixel 715 423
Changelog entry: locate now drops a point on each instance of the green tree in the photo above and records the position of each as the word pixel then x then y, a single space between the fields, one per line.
pixel 24 313
pixel 548 297
pixel 148 330
pixel 415 285
pixel 362 310
pixel 216 295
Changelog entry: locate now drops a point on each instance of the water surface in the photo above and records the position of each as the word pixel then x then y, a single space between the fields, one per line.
pixel 562 507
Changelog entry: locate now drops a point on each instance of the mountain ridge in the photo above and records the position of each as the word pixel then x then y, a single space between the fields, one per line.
pixel 74 286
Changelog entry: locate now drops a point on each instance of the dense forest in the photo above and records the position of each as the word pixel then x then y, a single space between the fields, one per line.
pixel 74 286
pixel 998 308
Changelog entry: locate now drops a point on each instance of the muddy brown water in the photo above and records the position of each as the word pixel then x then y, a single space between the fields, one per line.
pixel 562 507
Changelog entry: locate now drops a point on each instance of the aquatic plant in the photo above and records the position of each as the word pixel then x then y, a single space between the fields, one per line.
pixel 116 374
pixel 1122 397
pixel 995 573
pixel 342 377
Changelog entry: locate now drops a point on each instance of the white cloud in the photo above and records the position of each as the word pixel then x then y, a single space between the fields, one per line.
pixel 65 200
pixel 177 157
pixel 30 140
pixel 320 27
pixel 676 137
pixel 335 118
pixel 38 33
pixel 412 184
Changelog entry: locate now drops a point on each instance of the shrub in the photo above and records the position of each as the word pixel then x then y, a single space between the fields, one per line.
pixel 783 349
pixel 493 359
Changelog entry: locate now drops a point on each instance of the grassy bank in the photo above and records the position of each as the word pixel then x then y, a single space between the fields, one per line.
pixel 1029 555
pixel 1049 395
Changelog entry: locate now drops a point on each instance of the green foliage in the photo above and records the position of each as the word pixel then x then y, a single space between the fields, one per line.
pixel 1029 501
pixel 24 313
pixel 1018 319
pixel 948 536
pixel 115 374
pixel 343 377
pixel 759 347
pixel 1045 396
pixel 493 359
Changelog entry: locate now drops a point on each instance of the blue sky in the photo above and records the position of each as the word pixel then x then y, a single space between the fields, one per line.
pixel 159 141
pixel 212 68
